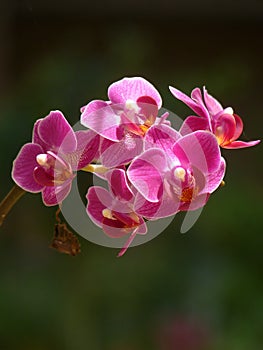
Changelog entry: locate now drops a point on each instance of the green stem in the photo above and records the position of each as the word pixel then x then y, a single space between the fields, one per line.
pixel 9 201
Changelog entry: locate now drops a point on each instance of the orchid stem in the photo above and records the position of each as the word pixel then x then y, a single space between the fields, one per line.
pixel 9 201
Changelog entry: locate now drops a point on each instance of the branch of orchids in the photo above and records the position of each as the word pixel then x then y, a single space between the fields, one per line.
pixel 9 201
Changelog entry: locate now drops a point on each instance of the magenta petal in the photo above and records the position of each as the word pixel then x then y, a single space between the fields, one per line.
pixel 104 121
pixel 241 144
pixel 199 149
pixel 118 184
pixel 122 152
pixel 196 95
pixel 143 230
pixel 224 129
pixel 239 126
pixel 36 138
pixel 146 174
pixel 145 208
pixel 56 194
pixel 199 109
pixel 164 208
pixel 148 109
pixel 24 165
pixel 98 200
pixel 192 124
pixel 93 106
pixel 131 89
pixel 87 147
pixel 213 106
pixel 115 228
pixel 42 177
pixel 214 179
pixel 197 203
pixel 127 244
pixel 161 136
pixel 56 132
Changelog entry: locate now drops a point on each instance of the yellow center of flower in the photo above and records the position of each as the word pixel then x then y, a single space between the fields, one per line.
pixel 180 173
pixel 107 213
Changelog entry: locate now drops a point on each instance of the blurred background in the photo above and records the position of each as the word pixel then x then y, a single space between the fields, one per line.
pixel 198 291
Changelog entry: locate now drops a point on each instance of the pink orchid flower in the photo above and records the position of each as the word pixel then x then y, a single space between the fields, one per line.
pixel 114 211
pixel 123 120
pixel 182 179
pixel 47 164
pixel 222 122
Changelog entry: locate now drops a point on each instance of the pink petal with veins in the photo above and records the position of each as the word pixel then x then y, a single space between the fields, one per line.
pixel 199 149
pixel 239 127
pixel 132 89
pixel 146 174
pixel 193 123
pixel 36 138
pixel 55 195
pixel 164 208
pixel 24 165
pixel 57 133
pixel 104 121
pixel 241 144
pixel 93 106
pixel 42 177
pixel 122 152
pixel 224 128
pixel 196 203
pixel 87 147
pixel 196 107
pixel 163 137
pixel 98 200
pixel 213 106
pixel 214 179
pixel 118 183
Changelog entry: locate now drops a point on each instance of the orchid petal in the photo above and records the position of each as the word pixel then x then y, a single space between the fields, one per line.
pixel 104 121
pixel 241 144
pixel 146 174
pixel 224 128
pixel 164 208
pixel 56 132
pixel 239 127
pixel 123 224
pixel 93 106
pixel 131 238
pixel 196 107
pixel 163 137
pixel 148 109
pixel 98 200
pixel 122 152
pixel 24 165
pixel 36 138
pixel 42 177
pixel 119 185
pixel 212 105
pixel 214 179
pixel 56 194
pixel 196 95
pixel 87 147
pixel 196 203
pixel 199 149
pixel 131 89
pixel 193 123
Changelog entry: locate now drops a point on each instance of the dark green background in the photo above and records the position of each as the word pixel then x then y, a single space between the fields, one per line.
pixel 208 283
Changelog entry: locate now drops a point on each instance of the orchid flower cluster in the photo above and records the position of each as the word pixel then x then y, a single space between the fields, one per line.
pixel 151 170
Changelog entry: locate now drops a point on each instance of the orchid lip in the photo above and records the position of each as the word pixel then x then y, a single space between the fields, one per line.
pixel 52 170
